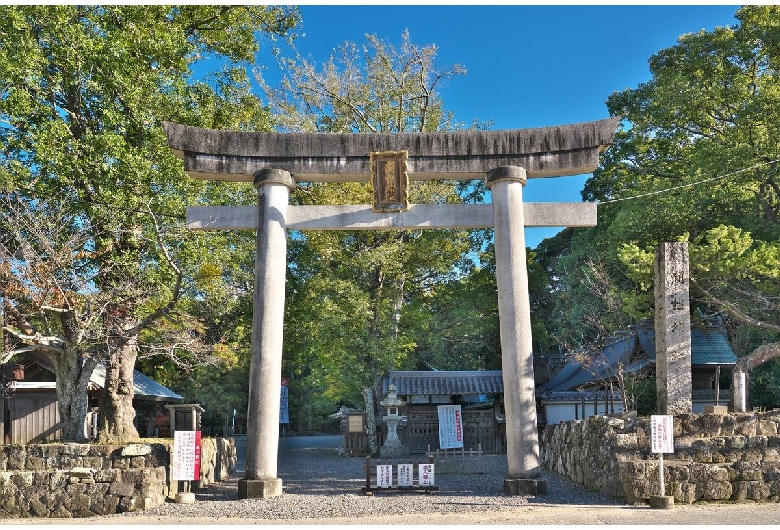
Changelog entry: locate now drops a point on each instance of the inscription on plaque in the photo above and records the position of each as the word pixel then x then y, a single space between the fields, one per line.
pixel 390 181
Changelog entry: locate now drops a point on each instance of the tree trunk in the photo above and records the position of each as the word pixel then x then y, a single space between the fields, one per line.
pixel 116 407
pixel 368 398
pixel 73 372
pixel 759 356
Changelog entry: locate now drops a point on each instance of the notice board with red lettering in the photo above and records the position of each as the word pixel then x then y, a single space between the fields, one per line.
pixel 186 455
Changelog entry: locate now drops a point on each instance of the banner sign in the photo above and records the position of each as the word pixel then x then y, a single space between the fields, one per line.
pixel 662 434
pixel 186 455
pixel 284 411
pixel 450 427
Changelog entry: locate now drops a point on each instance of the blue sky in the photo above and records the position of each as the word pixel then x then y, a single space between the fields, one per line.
pixel 527 65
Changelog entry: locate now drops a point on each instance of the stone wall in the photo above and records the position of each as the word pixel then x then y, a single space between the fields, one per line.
pixel 717 458
pixel 82 480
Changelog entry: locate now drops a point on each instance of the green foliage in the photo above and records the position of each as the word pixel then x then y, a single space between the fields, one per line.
pixel 696 160
pixel 764 388
pixel 455 324
pixel 374 87
pixel 364 302
pixel 83 90
pixel 642 392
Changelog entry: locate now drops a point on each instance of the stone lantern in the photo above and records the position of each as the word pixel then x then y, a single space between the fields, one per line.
pixel 392 446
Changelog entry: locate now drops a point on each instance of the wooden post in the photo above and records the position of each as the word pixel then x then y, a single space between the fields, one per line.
pixel 717 384
pixel 368 472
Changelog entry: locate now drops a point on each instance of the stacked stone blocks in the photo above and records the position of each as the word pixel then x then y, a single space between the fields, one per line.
pixel 83 480
pixel 717 458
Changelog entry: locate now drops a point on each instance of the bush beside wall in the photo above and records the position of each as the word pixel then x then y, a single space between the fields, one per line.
pixel 717 458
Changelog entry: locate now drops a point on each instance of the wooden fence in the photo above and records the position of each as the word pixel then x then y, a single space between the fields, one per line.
pixel 458 460
pixel 420 433
pixel 415 481
pixel 32 418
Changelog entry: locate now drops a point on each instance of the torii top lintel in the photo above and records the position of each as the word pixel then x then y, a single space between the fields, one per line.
pixel 559 150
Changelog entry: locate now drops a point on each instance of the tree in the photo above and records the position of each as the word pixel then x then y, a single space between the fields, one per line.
pixel 736 276
pixel 696 161
pixel 82 92
pixel 366 279
pixel 47 308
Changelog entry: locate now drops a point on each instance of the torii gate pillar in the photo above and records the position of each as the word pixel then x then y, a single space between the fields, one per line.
pixel 506 184
pixel 265 370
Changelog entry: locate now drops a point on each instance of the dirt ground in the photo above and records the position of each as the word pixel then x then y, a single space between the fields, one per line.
pixel 537 514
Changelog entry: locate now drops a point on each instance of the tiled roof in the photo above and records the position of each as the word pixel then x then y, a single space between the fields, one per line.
pixel 574 374
pixel 576 397
pixel 409 383
pixel 143 386
pixel 709 346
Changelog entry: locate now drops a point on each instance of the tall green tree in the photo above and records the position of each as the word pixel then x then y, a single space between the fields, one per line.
pixel 365 279
pixel 697 160
pixel 82 92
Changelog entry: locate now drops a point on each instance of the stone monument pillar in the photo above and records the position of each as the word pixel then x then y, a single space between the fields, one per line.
pixel 265 369
pixel 506 185
pixel 672 329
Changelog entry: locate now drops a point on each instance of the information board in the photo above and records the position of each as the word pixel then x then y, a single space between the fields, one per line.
pixel 355 423
pixel 662 434
pixel 450 427
pixel 405 477
pixel 186 455
pixel 426 475
pixel 384 475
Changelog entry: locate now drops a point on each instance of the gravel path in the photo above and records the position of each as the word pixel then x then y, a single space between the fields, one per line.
pixel 320 484
pixel 322 488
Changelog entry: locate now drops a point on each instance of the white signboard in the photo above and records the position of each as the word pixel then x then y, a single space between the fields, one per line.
pixel 426 475
pixel 405 477
pixel 384 475
pixel 186 455
pixel 662 434
pixel 450 427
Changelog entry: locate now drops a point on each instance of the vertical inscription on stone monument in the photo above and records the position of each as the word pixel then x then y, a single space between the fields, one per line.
pixel 672 329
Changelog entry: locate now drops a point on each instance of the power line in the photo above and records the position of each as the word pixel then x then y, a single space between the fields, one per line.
pixel 689 185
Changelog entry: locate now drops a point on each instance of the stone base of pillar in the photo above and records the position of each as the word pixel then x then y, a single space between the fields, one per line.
pixel 392 450
pixel 664 502
pixel 185 498
pixel 260 488
pixel 716 409
pixel 525 486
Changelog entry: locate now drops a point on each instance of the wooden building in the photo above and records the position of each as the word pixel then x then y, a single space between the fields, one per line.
pixel 29 413
pixel 480 394
pixel 582 387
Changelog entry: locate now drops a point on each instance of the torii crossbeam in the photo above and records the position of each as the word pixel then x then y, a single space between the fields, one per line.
pixel 275 162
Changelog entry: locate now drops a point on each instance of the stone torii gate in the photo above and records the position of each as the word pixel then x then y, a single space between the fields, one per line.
pixel 276 162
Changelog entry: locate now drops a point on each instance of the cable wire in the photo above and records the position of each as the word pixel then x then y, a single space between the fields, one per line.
pixel 689 185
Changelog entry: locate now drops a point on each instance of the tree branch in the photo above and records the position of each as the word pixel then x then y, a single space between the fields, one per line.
pixel 732 310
